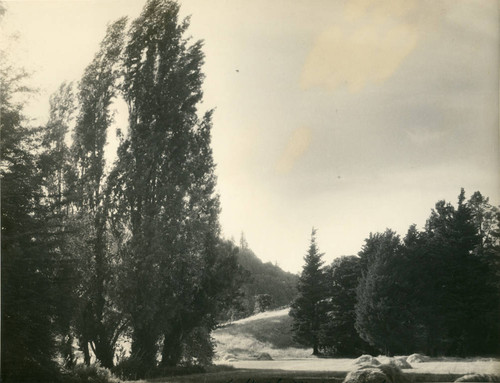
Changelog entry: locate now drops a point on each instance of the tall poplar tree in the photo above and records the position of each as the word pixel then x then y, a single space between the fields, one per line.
pixel 165 209
pixel 55 169
pixel 98 324
pixel 308 309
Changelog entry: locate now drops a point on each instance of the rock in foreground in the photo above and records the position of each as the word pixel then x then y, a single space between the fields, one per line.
pixel 264 356
pixel 417 358
pixel 399 362
pixel 384 373
pixel 479 378
pixel 367 359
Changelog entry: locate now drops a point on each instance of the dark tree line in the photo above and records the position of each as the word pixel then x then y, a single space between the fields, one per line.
pixel 436 291
pixel 90 255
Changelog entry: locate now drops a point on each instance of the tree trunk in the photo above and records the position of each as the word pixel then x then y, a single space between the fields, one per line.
pixel 84 346
pixel 105 353
pixel 172 348
pixel 144 348
pixel 315 349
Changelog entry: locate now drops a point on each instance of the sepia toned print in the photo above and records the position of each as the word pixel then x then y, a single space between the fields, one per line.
pixel 250 190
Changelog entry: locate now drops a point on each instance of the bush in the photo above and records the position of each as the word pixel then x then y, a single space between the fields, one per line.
pixel 94 373
pixel 130 369
pixel 161 372
pixel 29 371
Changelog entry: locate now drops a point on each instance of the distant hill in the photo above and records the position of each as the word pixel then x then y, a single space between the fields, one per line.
pixel 261 279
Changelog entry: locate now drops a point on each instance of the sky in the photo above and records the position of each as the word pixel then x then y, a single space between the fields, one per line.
pixel 347 116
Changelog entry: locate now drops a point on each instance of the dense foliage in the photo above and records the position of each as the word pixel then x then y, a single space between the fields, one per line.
pixel 90 256
pixel 264 286
pixel 338 335
pixel 435 291
pixel 30 278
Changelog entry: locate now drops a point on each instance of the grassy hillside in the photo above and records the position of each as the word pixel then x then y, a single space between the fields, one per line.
pixel 249 338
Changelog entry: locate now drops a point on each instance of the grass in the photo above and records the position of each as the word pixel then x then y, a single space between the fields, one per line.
pixel 263 333
pixel 241 342
pixel 275 330
pixel 257 376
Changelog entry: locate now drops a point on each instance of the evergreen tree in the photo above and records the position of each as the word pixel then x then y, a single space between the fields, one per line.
pixel 308 309
pixel 460 296
pixel 29 304
pixel 338 336
pixel 486 220
pixel 383 306
pixel 435 292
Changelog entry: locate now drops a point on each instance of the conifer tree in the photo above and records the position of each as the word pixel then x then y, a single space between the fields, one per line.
pixel 338 336
pixel 29 295
pixel 382 305
pixel 308 309
pixel 383 309
pixel 459 300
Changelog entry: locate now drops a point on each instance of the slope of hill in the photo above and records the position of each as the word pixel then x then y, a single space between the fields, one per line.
pixel 264 278
pixel 253 337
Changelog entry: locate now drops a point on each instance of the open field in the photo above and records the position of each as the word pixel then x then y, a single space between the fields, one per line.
pixel 329 371
pixel 455 367
pixel 312 370
pixel 241 346
pixel 241 343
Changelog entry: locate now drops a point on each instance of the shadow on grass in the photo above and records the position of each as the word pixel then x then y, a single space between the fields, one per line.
pixel 228 374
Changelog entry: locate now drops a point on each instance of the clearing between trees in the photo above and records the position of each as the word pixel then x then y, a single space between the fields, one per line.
pixel 261 347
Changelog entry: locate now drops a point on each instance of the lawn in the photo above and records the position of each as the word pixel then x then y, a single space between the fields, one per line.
pixel 240 344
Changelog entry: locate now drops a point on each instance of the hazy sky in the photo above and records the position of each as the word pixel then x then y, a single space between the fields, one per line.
pixel 350 116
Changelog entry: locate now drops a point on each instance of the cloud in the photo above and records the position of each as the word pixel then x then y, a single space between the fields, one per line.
pixel 297 145
pixel 367 45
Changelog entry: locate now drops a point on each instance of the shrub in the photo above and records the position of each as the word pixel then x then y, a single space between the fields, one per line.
pixel 130 368
pixel 160 371
pixel 94 373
